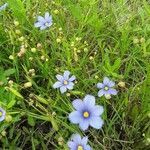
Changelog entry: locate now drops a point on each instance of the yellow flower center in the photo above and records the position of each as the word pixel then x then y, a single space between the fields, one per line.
pixel 1 114
pixel 86 114
pixel 46 24
pixel 80 147
pixel 106 88
pixel 65 82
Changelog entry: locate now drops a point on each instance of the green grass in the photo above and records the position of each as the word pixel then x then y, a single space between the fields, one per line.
pixel 114 43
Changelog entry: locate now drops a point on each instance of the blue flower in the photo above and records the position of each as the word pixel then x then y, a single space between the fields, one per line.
pixel 3 6
pixel 2 114
pixel 87 113
pixel 64 82
pixel 78 143
pixel 44 22
pixel 106 88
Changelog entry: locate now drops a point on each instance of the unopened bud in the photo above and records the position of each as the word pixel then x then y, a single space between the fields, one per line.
pixel 56 11
pixel 11 57
pixel 33 50
pixel 135 40
pixel 8 118
pixel 121 84
pixel 3 133
pixel 28 85
pixel 16 23
pixel 58 40
pixel 108 96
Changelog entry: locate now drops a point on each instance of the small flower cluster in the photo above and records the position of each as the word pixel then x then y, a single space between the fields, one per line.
pixel 86 112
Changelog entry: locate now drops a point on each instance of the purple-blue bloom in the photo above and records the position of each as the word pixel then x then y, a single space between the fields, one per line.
pixel 3 6
pixel 64 82
pixel 87 113
pixel 2 114
pixel 78 143
pixel 106 88
pixel 44 22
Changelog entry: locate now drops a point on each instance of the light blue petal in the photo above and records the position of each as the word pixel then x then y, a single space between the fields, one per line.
pixel 46 15
pixel 49 24
pixel 43 27
pixel 84 124
pixel 71 145
pixel 96 122
pixel 49 20
pixel 87 147
pixel 76 138
pixel 70 85
pixel 97 110
pixel 63 89
pixel 66 75
pixel 111 84
pixel 60 78
pixel 77 104
pixel 3 114
pixel 89 100
pixel 57 85
pixel 38 24
pixel 101 93
pixel 72 78
pixel 84 140
pixel 100 85
pixel 41 19
pixel 112 91
pixel 3 6
pixel 2 118
pixel 75 117
pixel 106 80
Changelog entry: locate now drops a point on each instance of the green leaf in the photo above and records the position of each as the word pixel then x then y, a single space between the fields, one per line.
pixel 9 72
pixel 54 124
pixel 116 65
pixel 15 92
pixel 76 11
pixel 11 103
pixel 134 111
pixel 42 100
pixel 31 121
pixel 18 10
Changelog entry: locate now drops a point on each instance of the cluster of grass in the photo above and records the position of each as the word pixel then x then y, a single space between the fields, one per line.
pixel 91 39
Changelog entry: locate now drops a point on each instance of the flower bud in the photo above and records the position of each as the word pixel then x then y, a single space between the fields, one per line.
pixel 85 50
pixel 10 82
pixel 58 40
pixel 18 32
pixel 91 58
pixel 39 45
pixel 21 39
pixel 33 50
pixel 121 84
pixel 30 58
pixel 108 96
pixel 28 85
pixel 16 23
pixel 8 118
pixel 11 57
pixel 56 11
pixel 3 133
pixel 135 40
pixel 142 40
